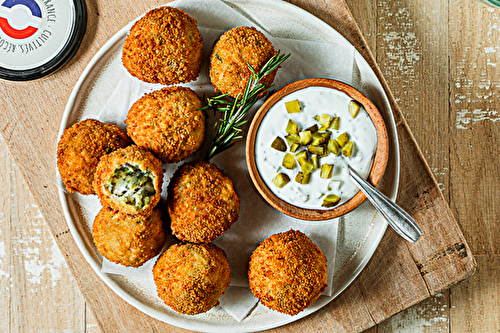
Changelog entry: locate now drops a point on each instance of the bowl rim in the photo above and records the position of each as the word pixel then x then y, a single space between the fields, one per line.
pixel 377 171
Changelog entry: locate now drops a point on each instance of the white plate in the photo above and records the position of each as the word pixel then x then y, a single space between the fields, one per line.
pixel 357 238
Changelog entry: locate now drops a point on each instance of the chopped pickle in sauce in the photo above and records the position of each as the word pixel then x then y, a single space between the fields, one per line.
pixel 293 106
pixel 335 124
pixel 324 121
pixel 315 161
pixel 305 137
pixel 279 144
pixel 281 180
pixel 353 108
pixel 301 155
pixel 318 138
pixel 348 148
pixel 333 146
pixel 303 178
pixel 294 146
pixel 326 171
pixel 306 165
pixel 326 135
pixel 312 129
pixel 342 139
pixel 320 143
pixel 330 200
pixel 292 138
pixel 325 151
pixel 289 161
pixel 318 150
pixel 292 127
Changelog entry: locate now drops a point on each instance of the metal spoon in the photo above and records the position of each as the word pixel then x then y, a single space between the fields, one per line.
pixel 397 218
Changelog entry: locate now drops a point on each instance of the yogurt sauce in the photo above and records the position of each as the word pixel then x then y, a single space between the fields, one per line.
pixel 315 101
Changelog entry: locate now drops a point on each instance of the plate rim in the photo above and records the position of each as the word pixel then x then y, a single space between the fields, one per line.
pixel 64 197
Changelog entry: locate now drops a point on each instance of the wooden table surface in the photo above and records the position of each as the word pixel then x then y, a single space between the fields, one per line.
pixel 440 59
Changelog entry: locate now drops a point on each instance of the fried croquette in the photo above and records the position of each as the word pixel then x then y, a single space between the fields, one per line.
pixel 164 46
pixel 229 71
pixel 287 272
pixel 168 123
pixel 127 239
pixel 80 150
pixel 202 202
pixel 190 278
pixel 129 180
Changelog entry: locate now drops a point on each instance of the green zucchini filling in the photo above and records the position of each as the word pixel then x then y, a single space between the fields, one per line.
pixel 132 185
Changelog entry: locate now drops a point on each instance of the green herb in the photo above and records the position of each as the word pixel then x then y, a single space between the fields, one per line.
pixel 229 128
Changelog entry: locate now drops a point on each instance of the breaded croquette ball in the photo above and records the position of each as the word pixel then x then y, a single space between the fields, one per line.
pixel 129 180
pixel 127 239
pixel 167 122
pixel 164 46
pixel 229 71
pixel 202 202
pixel 190 278
pixel 80 150
pixel 287 272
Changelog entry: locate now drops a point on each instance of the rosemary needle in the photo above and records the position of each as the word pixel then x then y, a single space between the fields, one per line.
pixel 229 128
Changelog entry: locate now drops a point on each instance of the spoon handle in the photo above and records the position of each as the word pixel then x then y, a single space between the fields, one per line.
pixel 397 218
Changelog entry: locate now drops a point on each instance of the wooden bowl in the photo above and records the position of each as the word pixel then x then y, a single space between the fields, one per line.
pixel 379 160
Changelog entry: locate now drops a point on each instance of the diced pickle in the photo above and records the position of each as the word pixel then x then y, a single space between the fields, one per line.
pixel 325 151
pixel 348 148
pixel 312 129
pixel 292 138
pixel 306 166
pixel 303 178
pixel 330 200
pixel 318 150
pixel 327 134
pixel 305 137
pixel 315 161
pixel 326 171
pixel 318 138
pixel 353 108
pixel 294 146
pixel 289 161
pixel 279 144
pixel 292 127
pixel 324 121
pixel 335 124
pixel 281 179
pixel 333 146
pixel 301 156
pixel 293 106
pixel 342 139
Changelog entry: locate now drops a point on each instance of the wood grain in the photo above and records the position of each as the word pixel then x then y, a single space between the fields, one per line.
pixel 439 58
pixel 38 291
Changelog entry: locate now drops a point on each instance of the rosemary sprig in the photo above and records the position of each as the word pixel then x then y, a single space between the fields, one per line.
pixel 229 128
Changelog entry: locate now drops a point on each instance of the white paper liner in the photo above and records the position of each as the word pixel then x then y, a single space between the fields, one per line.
pixel 257 220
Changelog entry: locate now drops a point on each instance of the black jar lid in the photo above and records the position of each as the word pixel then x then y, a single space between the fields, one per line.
pixel 37 37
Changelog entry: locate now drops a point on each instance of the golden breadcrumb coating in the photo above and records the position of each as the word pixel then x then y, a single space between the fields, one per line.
pixel 164 46
pixel 190 278
pixel 229 71
pixel 80 149
pixel 202 202
pixel 129 180
pixel 127 239
pixel 167 122
pixel 287 272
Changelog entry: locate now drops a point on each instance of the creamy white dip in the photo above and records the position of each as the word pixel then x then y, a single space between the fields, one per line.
pixel 315 101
